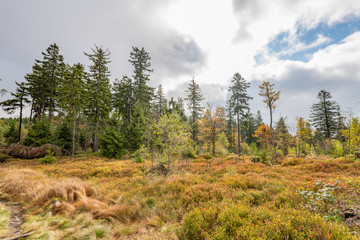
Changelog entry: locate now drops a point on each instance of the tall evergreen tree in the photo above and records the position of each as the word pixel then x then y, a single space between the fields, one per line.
pixel 99 90
pixel 20 98
pixel 44 79
pixel 140 59
pixel 194 98
pixel 324 114
pixel 72 96
pixel 123 99
pixel 240 101
pixel 160 103
pixel 177 106
pixel 282 136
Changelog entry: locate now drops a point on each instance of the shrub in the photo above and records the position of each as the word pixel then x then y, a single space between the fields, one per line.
pixel 293 162
pixel 49 158
pixel 111 144
pixel 188 153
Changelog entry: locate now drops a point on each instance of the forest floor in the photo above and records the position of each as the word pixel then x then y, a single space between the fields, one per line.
pixel 218 198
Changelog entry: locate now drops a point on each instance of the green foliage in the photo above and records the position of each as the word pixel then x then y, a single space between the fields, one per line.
pixel 338 148
pixel 39 133
pixel 324 115
pixel 11 133
pixel 49 158
pixel 150 202
pixel 172 136
pixel 112 141
pixel 64 139
pixel 189 153
pixel 44 80
pixel 140 154
pixel 98 104
pixel 194 99
pixel 238 221
pixel 263 155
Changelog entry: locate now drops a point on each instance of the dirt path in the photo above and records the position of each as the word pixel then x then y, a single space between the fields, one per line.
pixel 16 219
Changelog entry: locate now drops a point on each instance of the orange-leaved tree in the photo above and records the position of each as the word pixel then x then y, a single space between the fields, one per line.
pixel 211 125
pixel 263 134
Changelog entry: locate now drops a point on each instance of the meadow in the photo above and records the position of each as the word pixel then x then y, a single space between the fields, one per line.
pixel 218 198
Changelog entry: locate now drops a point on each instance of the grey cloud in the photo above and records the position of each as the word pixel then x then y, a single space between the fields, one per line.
pixel 29 27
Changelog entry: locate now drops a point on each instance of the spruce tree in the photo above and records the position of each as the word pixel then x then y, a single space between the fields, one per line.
pixel 140 59
pixel 20 98
pixel 98 90
pixel 240 101
pixel 194 99
pixel 44 80
pixel 160 103
pixel 72 96
pixel 123 99
pixel 282 136
pixel 324 114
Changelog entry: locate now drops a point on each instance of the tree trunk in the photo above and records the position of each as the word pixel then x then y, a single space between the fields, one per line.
pixel 73 138
pixel 238 136
pixel 20 122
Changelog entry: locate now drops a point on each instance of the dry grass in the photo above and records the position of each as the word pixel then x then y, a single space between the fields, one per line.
pixel 120 204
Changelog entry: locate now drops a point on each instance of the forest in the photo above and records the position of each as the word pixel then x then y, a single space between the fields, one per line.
pixel 95 160
pixel 78 109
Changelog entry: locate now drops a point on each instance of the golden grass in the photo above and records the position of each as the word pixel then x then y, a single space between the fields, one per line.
pixel 115 195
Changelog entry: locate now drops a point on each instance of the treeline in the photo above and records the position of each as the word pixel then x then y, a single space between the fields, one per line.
pixel 76 108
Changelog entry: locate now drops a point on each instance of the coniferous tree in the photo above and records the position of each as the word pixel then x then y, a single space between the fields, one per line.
pixel 20 98
pixel 177 106
pixel 160 103
pixel 282 136
pixel 324 114
pixel 44 80
pixel 240 102
pixel 98 90
pixel 194 98
pixel 72 96
pixel 140 59
pixel 123 99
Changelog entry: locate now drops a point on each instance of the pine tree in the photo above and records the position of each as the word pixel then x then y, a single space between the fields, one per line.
pixel 20 98
pixel 194 98
pixel 72 96
pixel 160 103
pixel 99 90
pixel 140 59
pixel 44 80
pixel 240 101
pixel 282 136
pixel 177 106
pixel 123 99
pixel 324 114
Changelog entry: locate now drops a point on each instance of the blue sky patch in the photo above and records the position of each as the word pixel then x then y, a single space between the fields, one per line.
pixel 303 45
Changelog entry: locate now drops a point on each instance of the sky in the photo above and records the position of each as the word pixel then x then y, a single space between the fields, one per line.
pixel 302 46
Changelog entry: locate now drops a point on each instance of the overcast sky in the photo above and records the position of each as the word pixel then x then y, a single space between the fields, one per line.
pixel 303 46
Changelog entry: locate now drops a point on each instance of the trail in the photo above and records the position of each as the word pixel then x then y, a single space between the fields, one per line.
pixel 16 220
